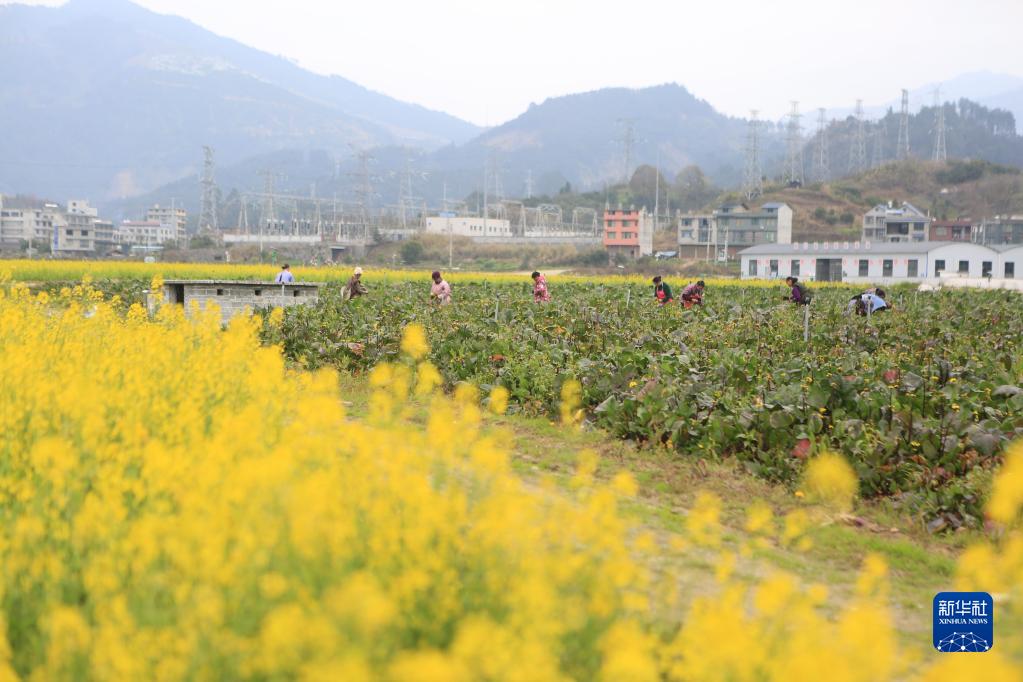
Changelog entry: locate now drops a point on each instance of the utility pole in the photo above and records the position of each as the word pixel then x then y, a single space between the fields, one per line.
pixel 486 208
pixel 902 150
pixel 821 157
pixel 940 154
pixel 880 133
pixel 447 220
pixel 858 146
pixel 267 219
pixel 628 140
pixel 364 190
pixel 657 191
pixel 208 197
pixel 794 162
pixel 753 181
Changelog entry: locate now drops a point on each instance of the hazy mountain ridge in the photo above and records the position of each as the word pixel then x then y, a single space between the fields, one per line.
pixel 104 98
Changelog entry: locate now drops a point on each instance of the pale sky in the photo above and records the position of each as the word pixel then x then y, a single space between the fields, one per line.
pixel 486 60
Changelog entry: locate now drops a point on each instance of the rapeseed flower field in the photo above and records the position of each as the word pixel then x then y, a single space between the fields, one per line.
pixel 74 271
pixel 178 503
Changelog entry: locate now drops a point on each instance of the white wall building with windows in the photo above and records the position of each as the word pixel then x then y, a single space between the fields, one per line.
pixel 468 226
pixel 881 263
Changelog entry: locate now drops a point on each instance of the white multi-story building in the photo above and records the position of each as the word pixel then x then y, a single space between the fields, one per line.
pixel 78 234
pixel 145 233
pixel 468 226
pixel 891 223
pixel 175 217
pixel 883 262
pixel 731 228
pixel 32 226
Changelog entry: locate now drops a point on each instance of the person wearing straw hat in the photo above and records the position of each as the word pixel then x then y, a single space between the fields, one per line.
pixel 354 288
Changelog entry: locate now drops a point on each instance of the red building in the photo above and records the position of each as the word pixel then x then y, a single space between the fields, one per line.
pixel 629 232
pixel 951 231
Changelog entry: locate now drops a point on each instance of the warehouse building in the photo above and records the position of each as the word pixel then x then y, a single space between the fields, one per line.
pixel 881 263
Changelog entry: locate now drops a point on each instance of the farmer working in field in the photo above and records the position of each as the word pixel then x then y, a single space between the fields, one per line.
pixel 662 292
pixel 872 303
pixel 875 298
pixel 693 294
pixel 799 294
pixel 354 288
pixel 440 290
pixel 284 276
pixel 540 292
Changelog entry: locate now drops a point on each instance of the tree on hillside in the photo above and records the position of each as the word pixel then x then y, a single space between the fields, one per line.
pixel 644 183
pixel 692 190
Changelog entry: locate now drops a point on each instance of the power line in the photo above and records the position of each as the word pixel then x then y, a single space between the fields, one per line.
pixel 879 135
pixel 902 148
pixel 858 145
pixel 794 162
pixel 940 153
pixel 208 194
pixel 628 141
pixel 753 180
pixel 821 156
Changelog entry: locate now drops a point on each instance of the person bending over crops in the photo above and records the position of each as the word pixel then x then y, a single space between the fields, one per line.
pixel 799 294
pixel 872 303
pixel 693 294
pixel 875 298
pixel 662 292
pixel 440 290
pixel 354 287
pixel 541 294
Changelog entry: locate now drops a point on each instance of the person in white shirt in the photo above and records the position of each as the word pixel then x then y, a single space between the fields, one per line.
pixel 284 276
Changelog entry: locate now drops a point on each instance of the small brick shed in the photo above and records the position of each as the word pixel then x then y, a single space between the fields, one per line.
pixel 234 296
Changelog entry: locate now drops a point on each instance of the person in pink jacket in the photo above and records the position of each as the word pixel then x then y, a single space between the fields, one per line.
pixel 440 290
pixel 541 294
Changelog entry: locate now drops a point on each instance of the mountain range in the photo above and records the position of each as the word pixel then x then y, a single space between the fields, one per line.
pixel 109 101
pixel 106 99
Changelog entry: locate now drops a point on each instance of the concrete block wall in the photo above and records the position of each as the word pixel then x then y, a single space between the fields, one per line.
pixel 233 298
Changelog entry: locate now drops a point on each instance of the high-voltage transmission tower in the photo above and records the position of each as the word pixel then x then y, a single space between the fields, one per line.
pixel 752 179
pixel 628 141
pixel 902 148
pixel 364 190
pixel 858 145
pixel 879 135
pixel 794 139
pixel 268 216
pixel 406 200
pixel 208 198
pixel 940 153
pixel 821 155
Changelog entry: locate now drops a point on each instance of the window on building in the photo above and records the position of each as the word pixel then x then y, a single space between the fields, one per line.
pixel 752 268
pixel 774 267
pixel 70 233
pixel 886 268
pixel 964 267
pixel 941 232
pixel 1010 270
pixel 939 267
pixel 794 268
pixel 864 267
pixel 913 268
pixel 985 268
